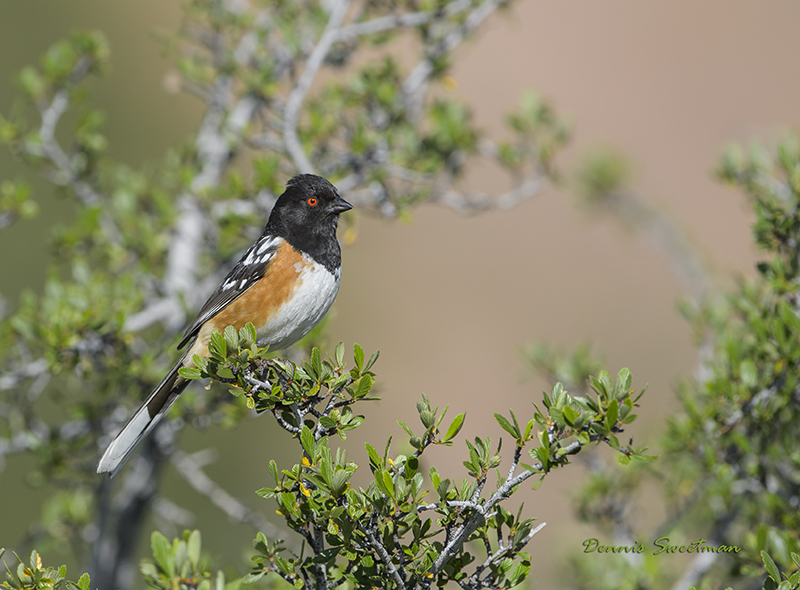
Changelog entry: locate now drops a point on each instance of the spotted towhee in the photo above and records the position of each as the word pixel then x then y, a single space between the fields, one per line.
pixel 283 284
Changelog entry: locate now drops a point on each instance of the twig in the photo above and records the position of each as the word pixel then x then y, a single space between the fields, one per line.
pixel 301 88
pixel 666 236
pixel 13 378
pixel 285 425
pixel 191 471
pixel 474 202
pixel 384 556
pixel 51 115
pixel 418 78
pixel 465 530
pixel 172 512
pixel 498 555
pixel 387 23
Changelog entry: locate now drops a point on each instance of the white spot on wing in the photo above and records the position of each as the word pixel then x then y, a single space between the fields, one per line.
pixel 265 244
pixel 254 255
pixel 228 284
pixel 242 284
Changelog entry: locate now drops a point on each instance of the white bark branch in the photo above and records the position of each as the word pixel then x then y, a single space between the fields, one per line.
pixel 416 82
pixel 191 471
pixel 387 23
pixel 301 88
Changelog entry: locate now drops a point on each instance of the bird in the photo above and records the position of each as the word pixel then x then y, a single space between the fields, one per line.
pixel 284 284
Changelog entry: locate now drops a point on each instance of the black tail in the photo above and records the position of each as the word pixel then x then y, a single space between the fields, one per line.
pixel 143 421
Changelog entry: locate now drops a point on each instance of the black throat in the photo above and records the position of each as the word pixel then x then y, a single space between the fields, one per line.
pixel 318 240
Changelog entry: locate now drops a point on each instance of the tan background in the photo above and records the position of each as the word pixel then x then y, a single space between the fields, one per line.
pixel 451 300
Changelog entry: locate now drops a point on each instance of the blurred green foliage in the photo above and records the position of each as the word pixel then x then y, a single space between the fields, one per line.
pixel 729 468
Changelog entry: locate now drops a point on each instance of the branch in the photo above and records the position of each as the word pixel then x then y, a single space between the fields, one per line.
pixel 417 80
pixel 387 23
pixel 190 469
pixel 114 550
pixel 474 202
pixel 301 88
pixel 13 378
pixel 500 554
pixel 51 115
pixel 384 557
pixel 666 236
pixel 172 512
pixel 704 561
pixel 464 531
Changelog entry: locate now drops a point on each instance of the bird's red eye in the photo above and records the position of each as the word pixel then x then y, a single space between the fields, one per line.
pixel 312 201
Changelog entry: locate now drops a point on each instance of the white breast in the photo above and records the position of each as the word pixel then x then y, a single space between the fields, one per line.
pixel 312 298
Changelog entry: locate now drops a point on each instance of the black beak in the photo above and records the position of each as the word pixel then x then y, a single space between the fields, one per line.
pixel 340 205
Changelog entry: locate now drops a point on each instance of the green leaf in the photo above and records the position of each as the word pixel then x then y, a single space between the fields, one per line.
pixel 190 373
pixel 84 583
pixel 748 373
pixel 770 566
pixel 427 418
pixel 193 548
pixel 528 429
pixel 455 427
pixel 217 345
pixel 231 335
pixel 611 414
pixel 372 360
pixel 307 440
pixel 338 354
pixel 374 458
pixel 364 386
pixel 273 469
pixel 570 415
pixel 328 422
pixel 162 553
pixel 624 380
pixel 405 427
pixel 249 331
pixel 388 484
pixel 358 355
pixel 435 477
pixel 316 361
pixel 507 426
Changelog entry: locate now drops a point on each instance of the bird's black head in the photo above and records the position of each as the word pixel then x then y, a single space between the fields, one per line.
pixel 306 216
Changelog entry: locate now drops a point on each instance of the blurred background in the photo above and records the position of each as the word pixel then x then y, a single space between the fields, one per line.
pixel 452 300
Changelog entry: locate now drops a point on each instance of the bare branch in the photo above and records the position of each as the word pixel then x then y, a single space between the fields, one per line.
pixel 387 23
pixel 474 202
pixel 51 114
pixel 191 471
pixel 301 88
pixel 171 512
pixel 667 237
pixel 416 82
pixel 13 378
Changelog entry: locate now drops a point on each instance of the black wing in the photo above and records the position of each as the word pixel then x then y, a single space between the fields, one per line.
pixel 244 275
